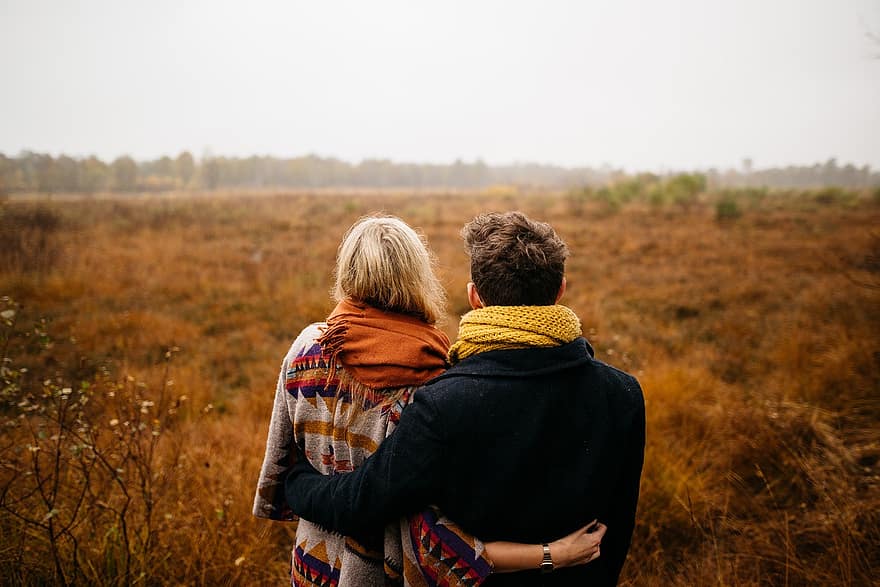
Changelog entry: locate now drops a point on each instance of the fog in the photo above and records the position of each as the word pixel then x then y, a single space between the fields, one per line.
pixel 635 84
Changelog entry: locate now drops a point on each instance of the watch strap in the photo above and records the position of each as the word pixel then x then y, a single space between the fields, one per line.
pixel 547 561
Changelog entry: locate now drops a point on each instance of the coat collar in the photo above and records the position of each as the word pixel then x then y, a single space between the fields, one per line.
pixel 523 362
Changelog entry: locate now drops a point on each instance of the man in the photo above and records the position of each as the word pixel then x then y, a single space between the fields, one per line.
pixel 524 438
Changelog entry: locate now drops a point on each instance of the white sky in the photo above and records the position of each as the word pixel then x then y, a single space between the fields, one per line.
pixel 640 84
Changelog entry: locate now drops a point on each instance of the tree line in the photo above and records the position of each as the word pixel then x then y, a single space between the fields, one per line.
pixel 42 173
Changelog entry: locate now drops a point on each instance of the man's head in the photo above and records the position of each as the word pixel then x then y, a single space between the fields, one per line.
pixel 515 261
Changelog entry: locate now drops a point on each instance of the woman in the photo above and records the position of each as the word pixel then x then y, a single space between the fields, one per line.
pixel 341 391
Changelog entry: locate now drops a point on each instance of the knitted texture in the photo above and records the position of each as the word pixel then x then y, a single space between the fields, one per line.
pixel 439 553
pixel 381 349
pixel 496 328
pixel 311 416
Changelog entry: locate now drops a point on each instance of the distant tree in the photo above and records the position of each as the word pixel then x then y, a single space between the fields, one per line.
pixel 8 170
pixel 210 172
pixel 26 171
pixel 477 173
pixel 376 172
pixel 94 175
pixel 39 172
pixel 164 167
pixel 42 164
pixel 299 172
pixel 65 176
pixel 125 174
pixel 185 167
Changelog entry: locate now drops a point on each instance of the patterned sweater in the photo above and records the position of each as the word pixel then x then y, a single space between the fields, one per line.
pixel 312 414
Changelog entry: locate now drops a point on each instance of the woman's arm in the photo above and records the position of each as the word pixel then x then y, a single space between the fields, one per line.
pixel 281 451
pixel 578 548
pixel 438 549
pixel 269 500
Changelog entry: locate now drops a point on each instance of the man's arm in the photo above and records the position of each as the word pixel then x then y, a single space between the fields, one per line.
pixel 395 481
pixel 625 497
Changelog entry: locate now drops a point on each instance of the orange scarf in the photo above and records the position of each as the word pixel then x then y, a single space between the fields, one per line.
pixel 380 349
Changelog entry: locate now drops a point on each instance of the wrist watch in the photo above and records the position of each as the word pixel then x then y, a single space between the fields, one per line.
pixel 547 562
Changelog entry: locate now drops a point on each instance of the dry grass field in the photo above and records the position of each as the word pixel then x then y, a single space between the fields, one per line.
pixel 142 337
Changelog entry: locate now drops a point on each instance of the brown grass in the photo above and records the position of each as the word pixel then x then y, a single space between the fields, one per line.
pixel 754 336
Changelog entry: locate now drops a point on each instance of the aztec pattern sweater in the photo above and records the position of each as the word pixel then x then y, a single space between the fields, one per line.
pixel 310 417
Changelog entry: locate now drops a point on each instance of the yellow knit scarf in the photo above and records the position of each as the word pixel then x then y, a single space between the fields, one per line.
pixel 513 327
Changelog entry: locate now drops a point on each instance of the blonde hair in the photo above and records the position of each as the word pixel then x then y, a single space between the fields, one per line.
pixel 385 263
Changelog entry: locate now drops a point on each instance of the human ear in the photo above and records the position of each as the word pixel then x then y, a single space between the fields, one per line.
pixel 561 291
pixel 473 297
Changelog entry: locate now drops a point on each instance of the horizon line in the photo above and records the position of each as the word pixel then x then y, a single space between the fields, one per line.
pixel 604 166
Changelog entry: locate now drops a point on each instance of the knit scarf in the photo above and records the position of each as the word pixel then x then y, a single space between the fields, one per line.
pixel 513 327
pixel 380 349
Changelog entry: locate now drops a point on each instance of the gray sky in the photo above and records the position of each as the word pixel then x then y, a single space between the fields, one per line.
pixel 645 84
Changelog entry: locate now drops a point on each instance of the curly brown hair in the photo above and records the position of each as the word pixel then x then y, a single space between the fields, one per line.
pixel 515 261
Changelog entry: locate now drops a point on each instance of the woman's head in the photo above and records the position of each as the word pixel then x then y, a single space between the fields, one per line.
pixel 383 262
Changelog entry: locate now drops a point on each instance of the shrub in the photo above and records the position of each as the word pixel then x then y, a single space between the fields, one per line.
pixel 577 199
pixel 727 209
pixel 657 196
pixel 834 195
pixel 28 238
pixel 82 471
pixel 610 199
pixel 684 188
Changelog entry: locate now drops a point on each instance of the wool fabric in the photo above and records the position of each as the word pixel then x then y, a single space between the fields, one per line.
pixel 381 349
pixel 514 327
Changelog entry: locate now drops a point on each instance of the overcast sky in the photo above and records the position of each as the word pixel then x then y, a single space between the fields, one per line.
pixel 644 84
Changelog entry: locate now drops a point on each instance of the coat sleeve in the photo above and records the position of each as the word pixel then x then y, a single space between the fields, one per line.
pixel 622 511
pixel 395 481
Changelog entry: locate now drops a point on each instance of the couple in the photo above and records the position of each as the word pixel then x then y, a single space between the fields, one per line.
pixel 483 453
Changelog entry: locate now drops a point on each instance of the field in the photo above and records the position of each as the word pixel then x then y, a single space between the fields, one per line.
pixel 142 337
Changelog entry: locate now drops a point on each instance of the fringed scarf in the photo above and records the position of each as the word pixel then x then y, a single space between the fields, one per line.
pixel 382 350
pixel 513 327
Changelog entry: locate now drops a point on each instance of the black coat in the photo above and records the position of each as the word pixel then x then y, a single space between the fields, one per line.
pixel 520 445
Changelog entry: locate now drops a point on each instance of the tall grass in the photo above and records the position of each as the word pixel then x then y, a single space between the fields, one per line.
pixel 141 340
